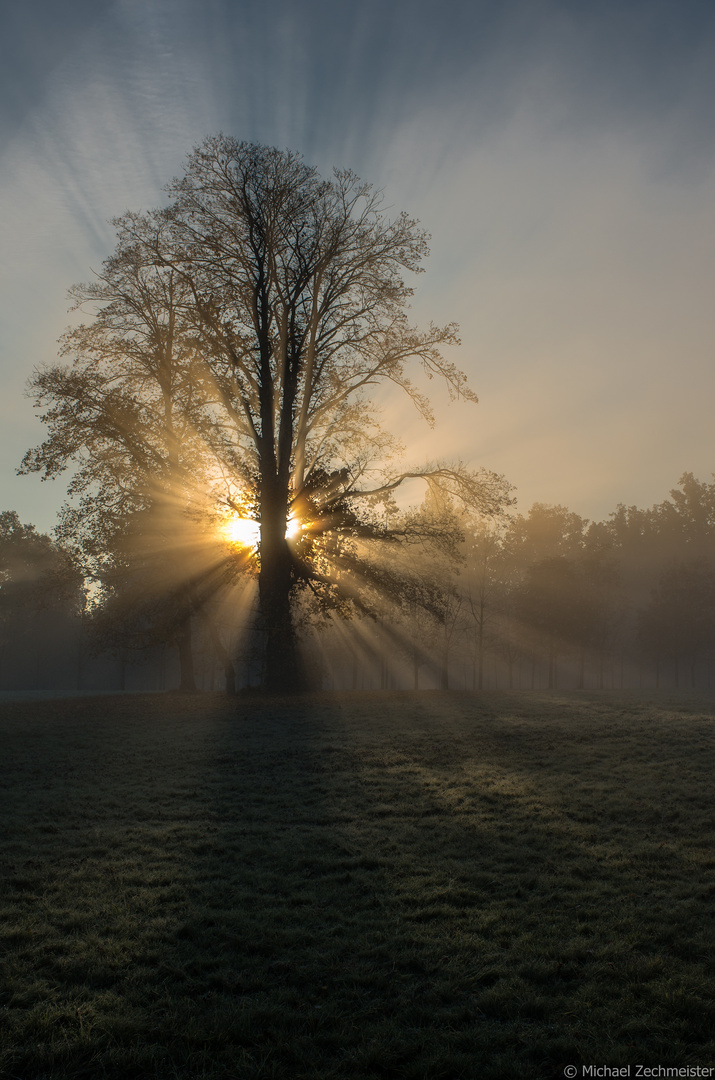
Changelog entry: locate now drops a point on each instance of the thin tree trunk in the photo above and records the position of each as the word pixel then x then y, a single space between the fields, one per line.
pixel 80 656
pixel 223 656
pixel 162 668
pixel 552 668
pixel 444 672
pixel 187 680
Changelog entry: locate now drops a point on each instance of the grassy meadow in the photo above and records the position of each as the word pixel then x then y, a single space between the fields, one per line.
pixel 425 886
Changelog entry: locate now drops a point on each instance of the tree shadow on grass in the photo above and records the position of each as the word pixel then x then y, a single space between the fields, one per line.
pixel 370 918
pixel 365 886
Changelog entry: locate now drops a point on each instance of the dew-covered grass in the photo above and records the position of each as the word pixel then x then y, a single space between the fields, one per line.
pixel 424 886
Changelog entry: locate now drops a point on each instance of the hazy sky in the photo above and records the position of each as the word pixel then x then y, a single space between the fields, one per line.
pixel 562 155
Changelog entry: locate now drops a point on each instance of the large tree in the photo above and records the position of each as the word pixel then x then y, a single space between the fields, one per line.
pixel 299 292
pixel 289 307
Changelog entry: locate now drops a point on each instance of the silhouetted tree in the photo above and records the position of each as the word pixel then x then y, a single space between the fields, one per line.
pixel 678 623
pixel 479 586
pixel 299 299
pixel 237 337
pixel 41 595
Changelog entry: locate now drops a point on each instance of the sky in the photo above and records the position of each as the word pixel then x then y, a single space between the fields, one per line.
pixel 560 154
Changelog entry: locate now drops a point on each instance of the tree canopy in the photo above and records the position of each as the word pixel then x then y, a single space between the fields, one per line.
pixel 237 339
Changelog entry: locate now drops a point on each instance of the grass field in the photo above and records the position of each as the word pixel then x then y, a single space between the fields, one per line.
pixel 433 886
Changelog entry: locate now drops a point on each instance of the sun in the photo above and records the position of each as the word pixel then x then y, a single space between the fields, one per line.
pixel 294 528
pixel 244 532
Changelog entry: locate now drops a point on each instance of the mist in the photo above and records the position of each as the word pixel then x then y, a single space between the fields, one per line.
pixel 540 601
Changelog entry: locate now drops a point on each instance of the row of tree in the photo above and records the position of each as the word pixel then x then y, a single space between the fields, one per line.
pixel 551 599
pixel 542 600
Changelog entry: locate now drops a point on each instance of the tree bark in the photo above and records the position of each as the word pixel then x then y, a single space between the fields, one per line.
pixel 480 647
pixel 283 672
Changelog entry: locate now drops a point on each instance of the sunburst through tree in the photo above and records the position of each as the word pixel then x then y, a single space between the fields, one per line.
pixel 237 336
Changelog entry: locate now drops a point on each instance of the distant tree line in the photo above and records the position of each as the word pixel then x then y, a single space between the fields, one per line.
pixel 545 600
pixel 550 599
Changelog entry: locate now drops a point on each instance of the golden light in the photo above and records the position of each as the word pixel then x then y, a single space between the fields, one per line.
pixel 293 528
pixel 245 532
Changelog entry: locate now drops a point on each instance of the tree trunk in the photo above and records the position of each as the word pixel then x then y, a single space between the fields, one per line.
pixel 480 645
pixel 223 656
pixel 444 672
pixel 282 669
pixel 162 668
pixel 187 681
pixel 384 674
pixel 80 656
